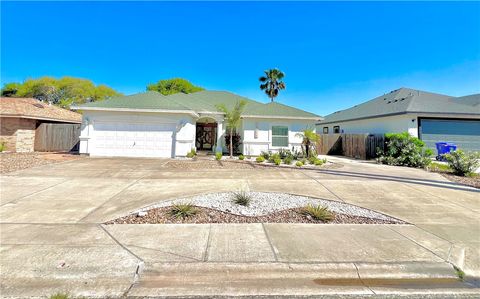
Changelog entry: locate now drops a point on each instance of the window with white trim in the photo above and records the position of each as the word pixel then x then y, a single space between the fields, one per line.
pixel 280 136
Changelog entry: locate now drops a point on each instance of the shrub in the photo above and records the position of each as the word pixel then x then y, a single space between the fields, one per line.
pixel 274 157
pixel 241 157
pixel 265 155
pixel 2 147
pixel 312 160
pixel 324 160
pixel 242 198
pixel 405 150
pixel 236 141
pixel 260 159
pixel 285 153
pixel 304 161
pixel 318 212
pixel 299 163
pixel 183 210
pixel 318 162
pixel 288 160
pixel 192 153
pixel 463 163
pixel 277 161
pixel 218 156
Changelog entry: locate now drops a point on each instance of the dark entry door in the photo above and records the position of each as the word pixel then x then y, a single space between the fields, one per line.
pixel 206 136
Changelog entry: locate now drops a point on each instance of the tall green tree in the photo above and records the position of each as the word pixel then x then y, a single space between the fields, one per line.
pixel 232 119
pixel 309 142
pixel 62 92
pixel 174 85
pixel 272 83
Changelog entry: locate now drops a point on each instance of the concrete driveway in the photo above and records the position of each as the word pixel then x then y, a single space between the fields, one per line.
pixel 52 237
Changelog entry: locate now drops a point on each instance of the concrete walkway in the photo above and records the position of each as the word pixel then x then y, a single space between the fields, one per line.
pixel 53 239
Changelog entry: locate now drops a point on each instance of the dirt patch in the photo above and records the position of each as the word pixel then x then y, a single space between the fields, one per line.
pixel 468 181
pixel 206 215
pixel 17 161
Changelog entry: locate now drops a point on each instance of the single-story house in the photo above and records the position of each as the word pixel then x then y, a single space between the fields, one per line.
pixel 20 117
pixel 153 125
pixel 429 116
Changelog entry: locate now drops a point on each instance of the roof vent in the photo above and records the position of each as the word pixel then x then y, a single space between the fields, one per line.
pixel 389 102
pixel 38 105
pixel 395 101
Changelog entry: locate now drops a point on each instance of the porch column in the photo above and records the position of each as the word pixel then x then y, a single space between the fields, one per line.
pixel 219 147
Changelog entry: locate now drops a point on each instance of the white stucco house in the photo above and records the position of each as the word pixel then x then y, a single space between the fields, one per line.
pixel 153 125
pixel 431 117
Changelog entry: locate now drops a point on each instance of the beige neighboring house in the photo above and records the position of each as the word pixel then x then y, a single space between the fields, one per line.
pixel 20 117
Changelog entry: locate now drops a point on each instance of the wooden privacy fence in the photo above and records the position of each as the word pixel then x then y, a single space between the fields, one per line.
pixel 57 137
pixel 358 146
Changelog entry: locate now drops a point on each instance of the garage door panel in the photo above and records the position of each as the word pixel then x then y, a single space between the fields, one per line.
pixel 133 140
pixel 464 133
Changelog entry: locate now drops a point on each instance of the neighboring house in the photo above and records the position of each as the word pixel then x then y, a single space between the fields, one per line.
pixel 153 125
pixel 20 117
pixel 429 116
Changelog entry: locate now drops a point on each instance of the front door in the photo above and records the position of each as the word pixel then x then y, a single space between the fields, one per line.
pixel 206 136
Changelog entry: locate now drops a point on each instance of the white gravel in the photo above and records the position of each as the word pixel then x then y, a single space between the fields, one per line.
pixel 263 203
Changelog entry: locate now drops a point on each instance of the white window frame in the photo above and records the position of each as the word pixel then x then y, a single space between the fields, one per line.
pixel 287 136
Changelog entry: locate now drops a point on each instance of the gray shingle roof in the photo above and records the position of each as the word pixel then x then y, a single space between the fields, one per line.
pixel 406 100
pixel 198 102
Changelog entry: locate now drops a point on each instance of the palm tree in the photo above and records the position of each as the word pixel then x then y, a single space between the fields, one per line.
pixel 309 141
pixel 232 119
pixel 272 82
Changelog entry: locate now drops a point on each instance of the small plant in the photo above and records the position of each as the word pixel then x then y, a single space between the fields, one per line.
pixel 459 273
pixel 299 163
pixel 402 149
pixel 183 210
pixel 318 213
pixel 304 161
pixel 274 157
pixel 324 160
pixel 288 160
pixel 59 296
pixel 265 155
pixel 312 160
pixel 463 163
pixel 277 161
pixel 318 162
pixel 2 147
pixel 192 153
pixel 242 198
pixel 260 159
pixel 218 156
pixel 241 157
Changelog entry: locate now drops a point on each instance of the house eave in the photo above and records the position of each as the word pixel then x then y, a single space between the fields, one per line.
pixel 41 118
pixel 283 117
pixel 190 112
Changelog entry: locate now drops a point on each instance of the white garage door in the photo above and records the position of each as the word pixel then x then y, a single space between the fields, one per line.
pixel 133 140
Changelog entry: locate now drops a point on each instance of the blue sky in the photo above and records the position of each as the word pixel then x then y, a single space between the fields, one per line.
pixel 334 54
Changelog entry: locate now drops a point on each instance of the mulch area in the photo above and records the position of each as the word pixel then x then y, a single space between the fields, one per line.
pixel 206 215
pixel 464 180
pixel 10 162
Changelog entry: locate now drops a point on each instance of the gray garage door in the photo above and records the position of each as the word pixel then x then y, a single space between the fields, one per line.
pixel 464 133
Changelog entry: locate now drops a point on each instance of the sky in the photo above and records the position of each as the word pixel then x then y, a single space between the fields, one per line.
pixel 334 54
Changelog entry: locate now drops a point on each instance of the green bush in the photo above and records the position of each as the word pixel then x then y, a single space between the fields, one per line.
pixel 463 163
pixel 242 198
pixel 218 156
pixel 260 159
pixel 288 160
pixel 241 157
pixel 183 210
pixel 192 153
pixel 277 161
pixel 299 163
pixel 318 212
pixel 304 161
pixel 285 153
pixel 2 147
pixel 312 160
pixel 265 155
pixel 402 149
pixel 274 157
pixel 318 162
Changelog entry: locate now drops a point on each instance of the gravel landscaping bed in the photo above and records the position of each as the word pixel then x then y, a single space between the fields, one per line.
pixel 17 161
pixel 469 181
pixel 263 206
pixel 206 215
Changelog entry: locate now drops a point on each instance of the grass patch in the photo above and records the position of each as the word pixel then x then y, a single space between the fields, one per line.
pixel 183 210
pixel 317 212
pixel 459 273
pixel 242 198
pixel 439 167
pixel 59 296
